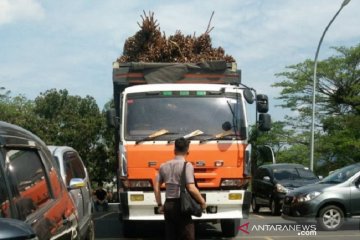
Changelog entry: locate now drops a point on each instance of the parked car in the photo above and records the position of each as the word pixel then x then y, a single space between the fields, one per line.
pixel 271 182
pixel 15 229
pixel 71 166
pixel 31 188
pixel 329 201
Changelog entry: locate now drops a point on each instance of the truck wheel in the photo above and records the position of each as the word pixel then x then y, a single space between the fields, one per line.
pixel 275 208
pixel 230 227
pixel 129 229
pixel 331 218
pixel 255 207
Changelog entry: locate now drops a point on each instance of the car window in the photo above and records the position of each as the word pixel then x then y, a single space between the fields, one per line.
pixel 341 175
pixel 306 174
pixel 4 198
pixel 257 174
pixel 29 186
pixel 73 166
pixel 260 173
pixel 285 174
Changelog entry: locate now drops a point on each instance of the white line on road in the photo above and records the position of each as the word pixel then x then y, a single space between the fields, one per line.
pixel 261 217
pixel 104 215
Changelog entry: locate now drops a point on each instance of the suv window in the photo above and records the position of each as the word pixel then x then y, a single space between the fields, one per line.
pixel 285 174
pixel 73 166
pixel 293 173
pixel 261 173
pixel 306 173
pixel 28 184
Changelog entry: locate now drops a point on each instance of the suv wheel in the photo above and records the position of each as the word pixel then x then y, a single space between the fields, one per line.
pixel 255 207
pixel 331 218
pixel 90 235
pixel 275 208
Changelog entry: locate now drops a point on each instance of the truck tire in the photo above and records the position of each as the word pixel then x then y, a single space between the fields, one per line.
pixel 331 218
pixel 129 229
pixel 255 207
pixel 230 227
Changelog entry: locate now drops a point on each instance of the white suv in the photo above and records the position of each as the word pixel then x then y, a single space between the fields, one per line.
pixel 71 166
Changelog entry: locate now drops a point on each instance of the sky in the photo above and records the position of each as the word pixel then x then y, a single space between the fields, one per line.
pixel 71 44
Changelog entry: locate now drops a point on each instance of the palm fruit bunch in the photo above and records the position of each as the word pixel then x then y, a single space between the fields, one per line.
pixel 150 45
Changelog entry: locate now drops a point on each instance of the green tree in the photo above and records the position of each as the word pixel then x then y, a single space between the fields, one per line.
pixel 16 110
pixel 338 106
pixel 64 119
pixel 278 139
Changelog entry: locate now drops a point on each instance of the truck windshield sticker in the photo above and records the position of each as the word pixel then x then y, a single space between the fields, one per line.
pixel 184 93
pixel 167 93
pixel 130 101
pixel 200 93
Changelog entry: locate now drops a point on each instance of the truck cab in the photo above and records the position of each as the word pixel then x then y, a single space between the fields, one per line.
pixel 205 104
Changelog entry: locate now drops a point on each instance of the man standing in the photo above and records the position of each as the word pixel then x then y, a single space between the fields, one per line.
pixel 177 225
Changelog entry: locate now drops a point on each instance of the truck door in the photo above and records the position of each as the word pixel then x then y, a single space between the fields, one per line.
pixel 74 168
pixel 32 197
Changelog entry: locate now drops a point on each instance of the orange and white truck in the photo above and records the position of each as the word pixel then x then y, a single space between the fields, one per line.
pixel 155 103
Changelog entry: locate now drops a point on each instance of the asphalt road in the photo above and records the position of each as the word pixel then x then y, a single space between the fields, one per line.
pixel 259 226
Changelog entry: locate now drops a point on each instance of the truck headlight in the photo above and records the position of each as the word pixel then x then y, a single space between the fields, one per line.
pixel 233 183
pixel 139 184
pixel 308 197
pixel 281 189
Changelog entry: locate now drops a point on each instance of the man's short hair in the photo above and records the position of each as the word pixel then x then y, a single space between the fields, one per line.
pixel 182 145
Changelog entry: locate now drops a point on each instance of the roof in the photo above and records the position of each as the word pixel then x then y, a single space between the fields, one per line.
pixel 11 134
pixel 134 73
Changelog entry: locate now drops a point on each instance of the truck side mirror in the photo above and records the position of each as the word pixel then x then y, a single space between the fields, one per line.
pixel 262 103
pixel 249 96
pixel 264 122
pixel 111 118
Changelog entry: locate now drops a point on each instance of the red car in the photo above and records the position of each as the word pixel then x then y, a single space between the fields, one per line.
pixel 31 188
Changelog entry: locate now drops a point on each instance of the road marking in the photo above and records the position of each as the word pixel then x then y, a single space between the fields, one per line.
pixel 104 215
pixel 259 216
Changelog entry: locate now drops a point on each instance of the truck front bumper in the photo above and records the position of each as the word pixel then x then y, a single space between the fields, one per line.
pixel 229 204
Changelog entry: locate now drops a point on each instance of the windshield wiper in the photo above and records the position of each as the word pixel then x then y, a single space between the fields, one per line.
pixel 234 119
pixel 190 135
pixel 154 135
pixel 219 136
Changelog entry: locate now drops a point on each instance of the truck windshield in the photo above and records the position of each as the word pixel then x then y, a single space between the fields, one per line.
pixel 182 115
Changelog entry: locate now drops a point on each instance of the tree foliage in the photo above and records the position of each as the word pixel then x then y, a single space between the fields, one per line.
pixel 64 119
pixel 59 118
pixel 337 106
